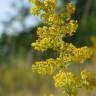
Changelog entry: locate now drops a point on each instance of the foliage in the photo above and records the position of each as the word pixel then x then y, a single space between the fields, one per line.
pixel 59 25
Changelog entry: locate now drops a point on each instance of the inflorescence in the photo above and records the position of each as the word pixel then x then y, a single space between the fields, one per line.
pixel 58 25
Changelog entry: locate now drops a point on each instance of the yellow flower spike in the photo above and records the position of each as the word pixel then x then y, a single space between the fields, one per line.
pixel 56 27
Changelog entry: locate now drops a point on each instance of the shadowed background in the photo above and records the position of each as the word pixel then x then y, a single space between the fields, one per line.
pixel 18 30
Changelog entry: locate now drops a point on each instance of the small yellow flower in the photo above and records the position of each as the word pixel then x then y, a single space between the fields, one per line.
pixel 70 8
pixel 85 74
pixel 35 10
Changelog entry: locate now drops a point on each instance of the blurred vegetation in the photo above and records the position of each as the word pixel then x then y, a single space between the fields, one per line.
pixel 17 55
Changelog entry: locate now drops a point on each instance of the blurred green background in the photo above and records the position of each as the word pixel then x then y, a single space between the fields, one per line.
pixel 17 32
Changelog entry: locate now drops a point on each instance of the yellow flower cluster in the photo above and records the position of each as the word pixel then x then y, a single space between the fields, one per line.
pixel 67 81
pixel 88 79
pixel 78 55
pixel 59 25
pixel 85 74
pixel 45 67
